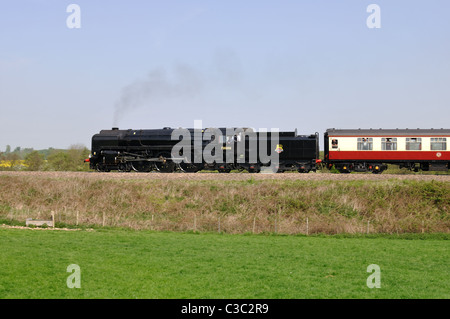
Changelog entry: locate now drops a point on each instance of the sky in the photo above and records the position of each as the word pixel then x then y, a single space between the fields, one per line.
pixel 285 64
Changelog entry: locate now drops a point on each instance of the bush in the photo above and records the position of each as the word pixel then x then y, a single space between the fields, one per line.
pixel 70 160
pixel 34 161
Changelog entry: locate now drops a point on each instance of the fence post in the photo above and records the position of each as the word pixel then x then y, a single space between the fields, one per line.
pixel 368 226
pixel 275 224
pixel 254 224
pixel 103 222
pixel 195 223
pixel 307 226
pixel 77 219
pixel 219 224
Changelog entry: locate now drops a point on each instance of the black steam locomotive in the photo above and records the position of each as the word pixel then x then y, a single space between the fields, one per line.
pixel 191 150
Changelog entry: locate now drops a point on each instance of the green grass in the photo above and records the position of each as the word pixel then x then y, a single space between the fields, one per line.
pixel 143 264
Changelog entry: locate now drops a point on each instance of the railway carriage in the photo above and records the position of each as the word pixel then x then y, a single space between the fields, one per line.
pixel 364 150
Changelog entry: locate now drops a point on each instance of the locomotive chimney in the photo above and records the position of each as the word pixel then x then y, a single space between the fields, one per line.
pixel 115 128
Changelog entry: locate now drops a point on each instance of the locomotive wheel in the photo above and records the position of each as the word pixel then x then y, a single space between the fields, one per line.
pixel 141 166
pixel 102 168
pixel 166 165
pixel 188 167
pixel 253 168
pixel 123 167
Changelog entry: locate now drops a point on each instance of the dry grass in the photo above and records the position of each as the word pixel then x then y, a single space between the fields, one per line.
pixel 282 203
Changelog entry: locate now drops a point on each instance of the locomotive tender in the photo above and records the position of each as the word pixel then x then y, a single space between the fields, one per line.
pixel 359 150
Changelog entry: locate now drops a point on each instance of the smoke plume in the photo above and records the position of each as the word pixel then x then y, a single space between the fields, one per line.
pixel 224 73
pixel 158 86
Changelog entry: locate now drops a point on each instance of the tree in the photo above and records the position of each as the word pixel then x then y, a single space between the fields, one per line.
pixel 34 161
pixel 58 161
pixel 12 159
pixel 77 155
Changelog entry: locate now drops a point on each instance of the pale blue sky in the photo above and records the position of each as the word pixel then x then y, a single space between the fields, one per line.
pixel 309 65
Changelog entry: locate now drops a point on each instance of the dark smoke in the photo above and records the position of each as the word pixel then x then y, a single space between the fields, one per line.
pixel 225 73
pixel 158 86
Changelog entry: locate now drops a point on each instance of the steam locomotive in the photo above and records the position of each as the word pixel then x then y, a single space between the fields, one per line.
pixel 226 149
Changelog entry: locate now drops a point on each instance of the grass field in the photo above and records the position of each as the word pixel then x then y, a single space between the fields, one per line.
pixel 144 264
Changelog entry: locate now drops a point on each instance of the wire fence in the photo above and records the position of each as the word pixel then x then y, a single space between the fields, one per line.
pixel 235 224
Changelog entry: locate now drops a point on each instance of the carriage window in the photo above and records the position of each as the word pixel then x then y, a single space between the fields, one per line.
pixel 389 143
pixel 413 143
pixel 334 143
pixel 438 144
pixel 365 143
